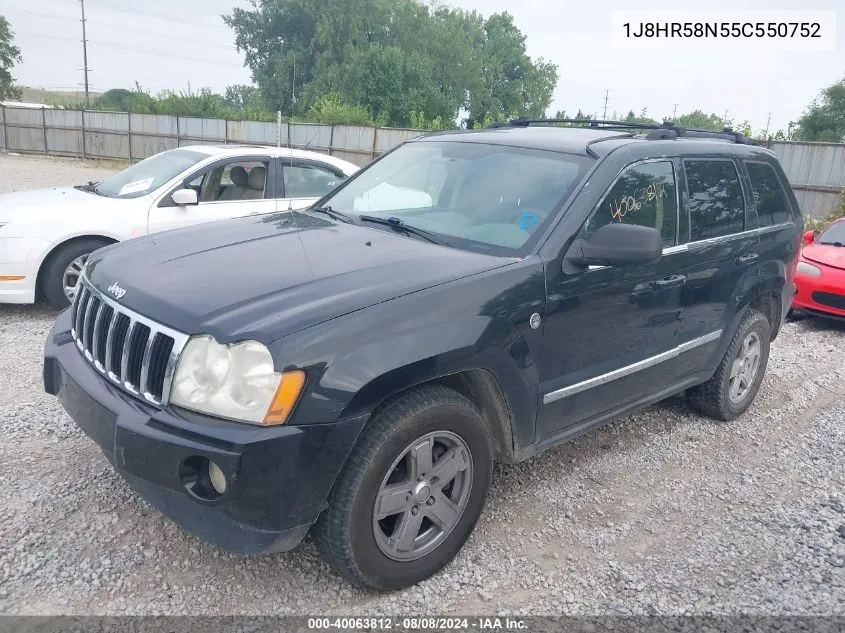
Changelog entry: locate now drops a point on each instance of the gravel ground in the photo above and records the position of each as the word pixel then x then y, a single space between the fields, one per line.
pixel 665 512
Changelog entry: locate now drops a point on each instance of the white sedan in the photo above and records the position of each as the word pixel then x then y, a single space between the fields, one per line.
pixel 46 235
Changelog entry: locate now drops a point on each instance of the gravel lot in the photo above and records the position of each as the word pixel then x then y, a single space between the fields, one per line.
pixel 664 512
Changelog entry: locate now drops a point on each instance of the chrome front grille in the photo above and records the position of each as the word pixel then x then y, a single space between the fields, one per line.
pixel 131 350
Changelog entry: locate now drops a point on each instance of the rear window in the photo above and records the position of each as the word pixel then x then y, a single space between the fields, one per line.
pixel 769 196
pixel 716 203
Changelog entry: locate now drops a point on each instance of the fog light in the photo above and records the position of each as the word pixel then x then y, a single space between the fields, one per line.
pixel 217 478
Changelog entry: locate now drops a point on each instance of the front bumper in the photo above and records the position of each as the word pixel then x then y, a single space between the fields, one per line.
pixel 831 283
pixel 278 477
pixel 19 257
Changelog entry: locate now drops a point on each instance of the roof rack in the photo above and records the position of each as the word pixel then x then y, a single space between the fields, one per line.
pixel 660 131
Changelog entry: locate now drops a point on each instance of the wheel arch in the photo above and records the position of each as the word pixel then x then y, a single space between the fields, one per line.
pixel 478 385
pixel 54 249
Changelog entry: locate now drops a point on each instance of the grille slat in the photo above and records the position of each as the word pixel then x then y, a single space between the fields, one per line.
pixel 145 363
pixel 124 358
pixel 87 326
pixel 131 350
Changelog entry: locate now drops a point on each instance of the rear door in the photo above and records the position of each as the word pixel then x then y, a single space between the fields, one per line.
pixel 721 253
pixel 303 182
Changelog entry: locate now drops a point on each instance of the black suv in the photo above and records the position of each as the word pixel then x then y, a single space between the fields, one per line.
pixel 356 368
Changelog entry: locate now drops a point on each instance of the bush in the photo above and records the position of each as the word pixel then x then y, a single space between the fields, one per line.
pixel 331 109
pixel 819 224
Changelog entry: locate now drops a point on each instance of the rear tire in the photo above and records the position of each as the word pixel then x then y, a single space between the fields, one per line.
pixel 733 387
pixel 394 518
pixel 63 267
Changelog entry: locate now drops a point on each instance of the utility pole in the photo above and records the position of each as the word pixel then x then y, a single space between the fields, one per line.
pixel 768 121
pixel 84 51
pixel 725 119
pixel 675 112
pixel 606 93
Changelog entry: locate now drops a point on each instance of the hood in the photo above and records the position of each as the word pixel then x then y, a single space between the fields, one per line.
pixel 265 277
pixel 21 204
pixel 826 254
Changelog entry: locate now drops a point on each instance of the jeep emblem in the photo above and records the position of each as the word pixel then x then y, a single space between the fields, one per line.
pixel 117 291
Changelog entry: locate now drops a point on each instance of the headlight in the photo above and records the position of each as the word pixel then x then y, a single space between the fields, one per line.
pixel 808 269
pixel 234 381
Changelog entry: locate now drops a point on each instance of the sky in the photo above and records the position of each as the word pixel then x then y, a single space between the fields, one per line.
pixel 173 44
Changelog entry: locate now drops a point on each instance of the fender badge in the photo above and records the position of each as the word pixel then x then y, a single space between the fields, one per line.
pixel 535 321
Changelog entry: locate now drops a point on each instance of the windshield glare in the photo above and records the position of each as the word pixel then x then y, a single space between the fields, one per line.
pixel 148 175
pixel 834 233
pixel 488 198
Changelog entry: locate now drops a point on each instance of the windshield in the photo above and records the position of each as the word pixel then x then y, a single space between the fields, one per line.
pixel 835 234
pixel 487 198
pixel 148 175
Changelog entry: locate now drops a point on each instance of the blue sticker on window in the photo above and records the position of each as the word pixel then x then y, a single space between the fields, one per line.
pixel 527 220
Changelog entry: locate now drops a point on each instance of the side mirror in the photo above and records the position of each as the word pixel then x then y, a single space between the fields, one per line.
pixel 617 244
pixel 809 236
pixel 184 197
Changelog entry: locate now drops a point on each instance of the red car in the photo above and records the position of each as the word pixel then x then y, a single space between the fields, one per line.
pixel 820 277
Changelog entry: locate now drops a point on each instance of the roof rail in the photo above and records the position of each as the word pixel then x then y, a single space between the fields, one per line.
pixel 660 131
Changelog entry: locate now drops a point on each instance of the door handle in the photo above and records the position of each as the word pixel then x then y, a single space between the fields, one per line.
pixel 748 258
pixel 668 282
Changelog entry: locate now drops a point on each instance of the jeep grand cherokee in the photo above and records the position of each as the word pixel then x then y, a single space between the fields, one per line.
pixel 355 369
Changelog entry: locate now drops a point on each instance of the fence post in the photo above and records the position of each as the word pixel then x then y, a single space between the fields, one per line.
pixel 278 128
pixel 84 152
pixel 44 126
pixel 177 131
pixel 5 130
pixel 375 144
pixel 129 134
pixel 225 131
pixel 331 140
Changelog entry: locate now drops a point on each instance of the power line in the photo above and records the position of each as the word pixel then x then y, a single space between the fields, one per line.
pixel 132 48
pixel 131 30
pixel 169 18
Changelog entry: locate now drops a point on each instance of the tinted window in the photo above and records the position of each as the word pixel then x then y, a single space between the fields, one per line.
pixel 645 195
pixel 769 196
pixel 716 204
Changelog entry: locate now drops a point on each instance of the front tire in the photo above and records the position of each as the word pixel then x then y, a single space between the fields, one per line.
pixel 733 387
pixel 62 270
pixel 410 493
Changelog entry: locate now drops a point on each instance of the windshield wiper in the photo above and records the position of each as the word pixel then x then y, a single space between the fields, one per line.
pixel 91 187
pixel 399 225
pixel 336 215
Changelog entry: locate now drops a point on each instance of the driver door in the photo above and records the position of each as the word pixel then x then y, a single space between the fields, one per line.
pixel 229 188
pixel 610 331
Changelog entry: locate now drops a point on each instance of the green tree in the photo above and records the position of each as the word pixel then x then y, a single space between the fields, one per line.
pixel 699 119
pixel 9 56
pixel 116 99
pixel 824 119
pixel 390 57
